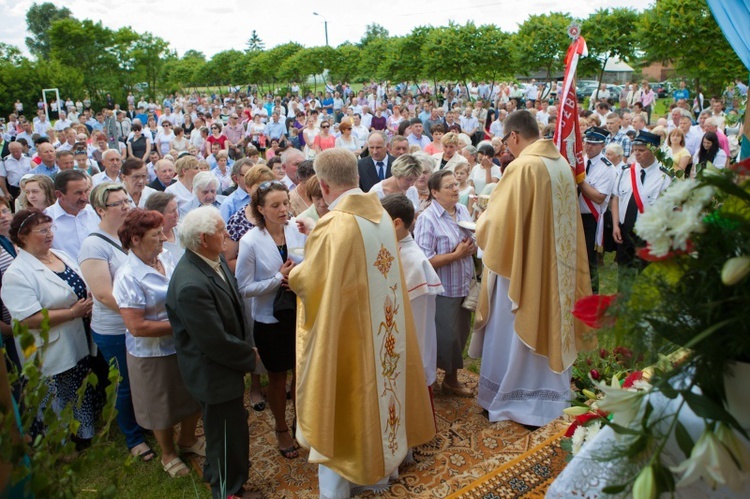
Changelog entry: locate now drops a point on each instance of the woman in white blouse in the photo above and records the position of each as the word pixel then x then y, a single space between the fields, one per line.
pixel 160 398
pixel 266 256
pixel 186 168
pixel 404 173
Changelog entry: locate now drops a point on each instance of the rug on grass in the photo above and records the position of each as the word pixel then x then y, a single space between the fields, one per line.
pixel 528 475
pixel 467 446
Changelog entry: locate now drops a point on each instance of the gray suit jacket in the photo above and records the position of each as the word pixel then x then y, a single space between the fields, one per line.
pixel 214 343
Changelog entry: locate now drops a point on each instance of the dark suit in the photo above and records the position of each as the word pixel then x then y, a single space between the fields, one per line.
pixel 214 350
pixel 156 184
pixel 368 173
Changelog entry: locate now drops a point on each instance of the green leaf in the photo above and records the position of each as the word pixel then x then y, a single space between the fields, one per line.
pixel 615 489
pixel 706 408
pixel 623 430
pixel 684 440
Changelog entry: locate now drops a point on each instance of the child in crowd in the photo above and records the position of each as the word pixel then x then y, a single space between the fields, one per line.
pixel 423 283
pixel 465 190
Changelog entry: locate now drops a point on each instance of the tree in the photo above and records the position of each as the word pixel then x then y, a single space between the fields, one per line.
pixel 542 42
pixel 373 32
pixel 376 55
pixel 608 34
pixel 150 54
pixel 407 63
pixel 685 33
pixel 39 18
pixel 254 43
pixel 494 55
pixel 344 63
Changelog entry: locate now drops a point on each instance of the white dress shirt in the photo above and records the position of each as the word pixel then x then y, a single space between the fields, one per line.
pixel 71 230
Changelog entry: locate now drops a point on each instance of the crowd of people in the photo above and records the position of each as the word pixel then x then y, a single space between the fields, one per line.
pixel 173 241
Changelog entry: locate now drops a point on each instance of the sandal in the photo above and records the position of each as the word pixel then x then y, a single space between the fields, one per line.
pixel 290 452
pixel 198 448
pixel 175 468
pixel 258 406
pixel 144 455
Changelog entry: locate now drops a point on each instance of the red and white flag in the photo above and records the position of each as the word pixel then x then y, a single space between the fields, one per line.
pixel 568 132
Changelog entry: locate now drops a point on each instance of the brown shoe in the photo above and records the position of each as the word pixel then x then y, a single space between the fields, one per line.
pixel 460 391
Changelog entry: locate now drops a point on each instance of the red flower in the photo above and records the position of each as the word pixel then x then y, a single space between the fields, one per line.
pixel 594 374
pixel 645 253
pixel 603 353
pixel 592 309
pixel 582 420
pixel 743 167
pixel 632 378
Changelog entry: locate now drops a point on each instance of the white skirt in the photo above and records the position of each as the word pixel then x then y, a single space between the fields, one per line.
pixel 515 383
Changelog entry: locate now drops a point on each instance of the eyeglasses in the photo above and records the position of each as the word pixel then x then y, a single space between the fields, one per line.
pixel 505 139
pixel 117 204
pixel 139 177
pixel 43 232
pixel 268 184
pixel 325 126
pixel 451 186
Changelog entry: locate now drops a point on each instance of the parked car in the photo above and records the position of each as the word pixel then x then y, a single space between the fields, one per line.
pixel 661 89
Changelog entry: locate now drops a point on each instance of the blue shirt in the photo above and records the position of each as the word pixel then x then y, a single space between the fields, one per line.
pixel 275 130
pixel 234 203
pixel 681 93
pixel 43 170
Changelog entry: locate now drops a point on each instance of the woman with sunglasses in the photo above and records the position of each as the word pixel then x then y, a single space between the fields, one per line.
pixel 41 278
pixel 164 139
pixel 263 265
pixel 217 137
pixel 324 140
pixel 100 257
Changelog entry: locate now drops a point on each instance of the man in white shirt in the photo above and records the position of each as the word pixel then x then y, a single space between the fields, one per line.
pixel 649 178
pixel 112 164
pixel 63 122
pixel 366 118
pixel 290 160
pixel 359 131
pixel 73 219
pixel 496 128
pixel 12 168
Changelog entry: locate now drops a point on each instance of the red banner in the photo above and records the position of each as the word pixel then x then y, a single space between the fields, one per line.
pixel 568 132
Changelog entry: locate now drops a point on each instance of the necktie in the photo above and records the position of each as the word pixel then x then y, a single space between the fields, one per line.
pixel 381 170
pixel 588 166
pixel 643 176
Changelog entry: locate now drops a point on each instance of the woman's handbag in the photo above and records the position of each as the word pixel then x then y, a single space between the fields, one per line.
pixel 471 300
pixel 285 307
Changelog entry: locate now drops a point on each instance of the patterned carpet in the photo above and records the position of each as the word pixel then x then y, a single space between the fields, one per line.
pixel 466 448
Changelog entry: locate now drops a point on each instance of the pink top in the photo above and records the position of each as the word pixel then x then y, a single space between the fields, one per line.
pixel 325 143
pixel 647 98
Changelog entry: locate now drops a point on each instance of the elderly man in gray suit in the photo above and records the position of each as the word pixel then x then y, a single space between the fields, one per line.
pixel 214 347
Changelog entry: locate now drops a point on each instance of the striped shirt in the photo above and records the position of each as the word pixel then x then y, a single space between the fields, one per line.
pixel 621 138
pixel 437 234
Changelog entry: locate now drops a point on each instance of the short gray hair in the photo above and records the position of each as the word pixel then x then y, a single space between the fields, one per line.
pixel 203 220
pixel 203 180
pixel 287 155
pixel 406 165
pixel 108 152
pixel 615 148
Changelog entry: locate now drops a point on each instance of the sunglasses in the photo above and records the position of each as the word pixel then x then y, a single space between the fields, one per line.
pixel 270 183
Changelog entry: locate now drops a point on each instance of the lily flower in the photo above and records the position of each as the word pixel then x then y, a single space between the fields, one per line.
pixel 735 445
pixel 735 269
pixel 645 485
pixel 623 404
pixel 711 460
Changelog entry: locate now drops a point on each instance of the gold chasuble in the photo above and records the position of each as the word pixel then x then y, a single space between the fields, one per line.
pixel 532 235
pixel 362 400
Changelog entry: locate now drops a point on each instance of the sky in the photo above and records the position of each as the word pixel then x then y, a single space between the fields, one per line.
pixel 212 28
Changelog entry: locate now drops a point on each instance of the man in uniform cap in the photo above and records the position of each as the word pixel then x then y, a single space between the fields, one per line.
pixel 637 187
pixel 593 196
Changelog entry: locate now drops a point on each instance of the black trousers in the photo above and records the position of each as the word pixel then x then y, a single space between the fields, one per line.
pixel 589 230
pixel 227 446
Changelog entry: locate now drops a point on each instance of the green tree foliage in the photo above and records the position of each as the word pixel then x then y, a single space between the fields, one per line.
pixel 609 33
pixel 254 43
pixel 344 63
pixel 541 43
pixel 407 62
pixel 39 18
pixel 685 33
pixel 150 55
pixel 373 32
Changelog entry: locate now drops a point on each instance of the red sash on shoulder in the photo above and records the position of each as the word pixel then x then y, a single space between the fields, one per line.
pixel 592 207
pixel 636 193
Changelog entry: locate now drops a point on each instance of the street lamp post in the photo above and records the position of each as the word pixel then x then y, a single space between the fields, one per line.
pixel 325 25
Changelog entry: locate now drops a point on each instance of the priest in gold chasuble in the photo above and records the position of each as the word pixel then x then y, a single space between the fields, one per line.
pixel 362 400
pixel 536 267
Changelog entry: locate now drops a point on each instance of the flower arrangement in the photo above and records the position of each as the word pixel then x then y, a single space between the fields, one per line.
pixel 687 314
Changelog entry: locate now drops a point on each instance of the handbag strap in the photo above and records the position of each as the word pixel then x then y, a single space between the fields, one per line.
pixel 100 236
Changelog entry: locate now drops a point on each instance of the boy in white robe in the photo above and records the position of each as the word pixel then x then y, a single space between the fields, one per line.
pixel 423 283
